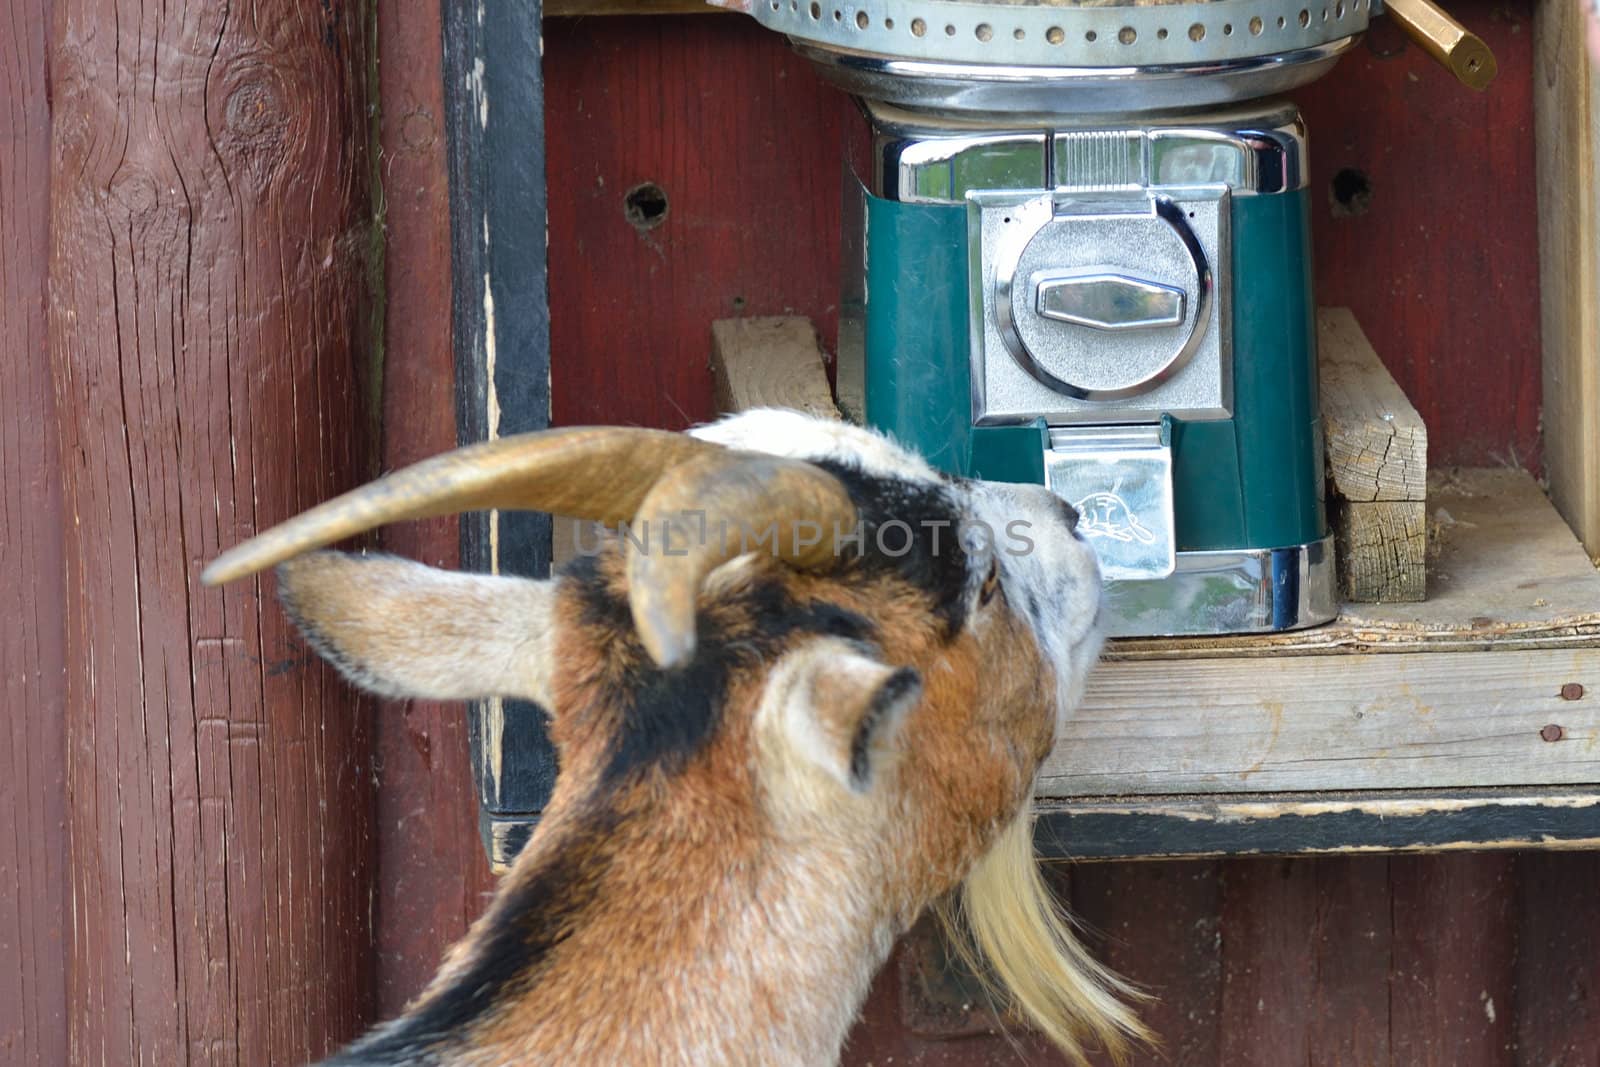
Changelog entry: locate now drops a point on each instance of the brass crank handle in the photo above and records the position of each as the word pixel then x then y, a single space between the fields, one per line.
pixel 1461 51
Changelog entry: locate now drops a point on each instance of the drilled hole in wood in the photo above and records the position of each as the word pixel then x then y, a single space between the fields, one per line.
pixel 1350 193
pixel 645 206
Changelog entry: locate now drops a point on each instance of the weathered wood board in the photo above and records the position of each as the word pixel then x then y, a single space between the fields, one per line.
pixel 770 361
pixel 1566 98
pixel 211 233
pixel 1283 823
pixel 34 892
pixel 1377 467
pixel 1418 721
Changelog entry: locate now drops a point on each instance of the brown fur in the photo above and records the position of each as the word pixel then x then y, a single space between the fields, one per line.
pixel 658 944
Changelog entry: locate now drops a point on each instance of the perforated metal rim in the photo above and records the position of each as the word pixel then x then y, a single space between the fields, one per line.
pixel 1104 38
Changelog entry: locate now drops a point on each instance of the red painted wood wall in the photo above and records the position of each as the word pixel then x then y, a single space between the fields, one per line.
pixel 1452 960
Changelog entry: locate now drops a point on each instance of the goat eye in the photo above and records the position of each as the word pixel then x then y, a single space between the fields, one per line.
pixel 991 584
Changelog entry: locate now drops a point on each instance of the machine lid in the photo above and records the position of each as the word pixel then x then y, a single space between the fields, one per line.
pixel 973 55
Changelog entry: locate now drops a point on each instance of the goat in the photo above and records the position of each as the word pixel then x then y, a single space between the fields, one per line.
pixel 772 760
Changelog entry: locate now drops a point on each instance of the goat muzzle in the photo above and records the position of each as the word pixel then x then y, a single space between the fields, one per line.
pixel 609 475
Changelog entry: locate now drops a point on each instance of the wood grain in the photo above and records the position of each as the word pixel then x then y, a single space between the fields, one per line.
pixel 432 874
pixel 1377 444
pixel 1268 948
pixel 1331 722
pixel 1566 101
pixel 211 228
pixel 1452 993
pixel 1382 550
pixel 33 876
pixel 769 362
pixel 1377 459
pixel 1557 981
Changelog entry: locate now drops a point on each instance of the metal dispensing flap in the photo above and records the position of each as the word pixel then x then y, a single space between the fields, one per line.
pixel 1119 478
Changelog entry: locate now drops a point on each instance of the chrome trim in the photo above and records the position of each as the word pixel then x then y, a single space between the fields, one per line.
pixel 1123 37
pixel 1246 591
pixel 1110 302
pixel 943 87
pixel 1005 265
pixel 1011 385
pixel 919 159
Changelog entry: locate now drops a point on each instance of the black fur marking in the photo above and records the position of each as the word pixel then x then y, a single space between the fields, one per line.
pixel 936 562
pixel 899 685
pixel 670 714
pixel 530 919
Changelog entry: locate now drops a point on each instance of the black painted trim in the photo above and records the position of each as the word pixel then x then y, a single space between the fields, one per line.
pixel 1290 824
pixel 494 94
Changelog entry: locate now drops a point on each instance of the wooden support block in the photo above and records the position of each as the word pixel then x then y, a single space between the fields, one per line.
pixel 1377 461
pixel 769 362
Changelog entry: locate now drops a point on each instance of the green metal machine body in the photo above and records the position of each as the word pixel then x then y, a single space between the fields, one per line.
pixel 1123 313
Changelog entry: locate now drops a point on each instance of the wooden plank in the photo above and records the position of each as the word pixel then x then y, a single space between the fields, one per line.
pixel 432 872
pixel 1557 1019
pixel 211 224
pixel 1377 444
pixel 1300 823
pixel 1421 721
pixel 1451 991
pixel 1382 550
pixel 1159 925
pixel 1377 459
pixel 1567 135
pixel 769 362
pixel 33 851
pixel 1508 574
pixel 1349 1021
pixel 1268 961
pixel 500 240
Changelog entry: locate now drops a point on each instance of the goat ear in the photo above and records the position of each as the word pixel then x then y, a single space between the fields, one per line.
pixel 402 629
pixel 840 709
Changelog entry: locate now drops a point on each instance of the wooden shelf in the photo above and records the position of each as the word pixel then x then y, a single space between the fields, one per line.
pixel 1469 720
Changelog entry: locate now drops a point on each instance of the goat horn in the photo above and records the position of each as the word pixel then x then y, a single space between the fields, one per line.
pixel 756 495
pixel 599 473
